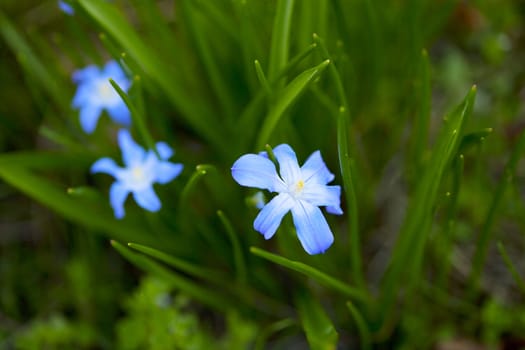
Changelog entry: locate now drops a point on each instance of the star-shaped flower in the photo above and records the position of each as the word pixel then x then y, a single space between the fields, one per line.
pixel 301 190
pixel 142 169
pixel 95 94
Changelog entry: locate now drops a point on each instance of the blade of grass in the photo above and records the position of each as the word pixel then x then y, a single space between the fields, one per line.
pixel 280 37
pixel 138 118
pixel 319 329
pixel 200 171
pixel 364 332
pixel 513 271
pixel 193 290
pixel 244 292
pixel 485 236
pixel 313 273
pixel 195 114
pixel 286 97
pixel 88 213
pixel 405 265
pixel 240 265
pixel 348 172
pixel 265 333
pixel 210 64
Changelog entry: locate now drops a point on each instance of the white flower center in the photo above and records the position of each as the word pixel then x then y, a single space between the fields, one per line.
pixel 138 174
pixel 297 188
pixel 106 93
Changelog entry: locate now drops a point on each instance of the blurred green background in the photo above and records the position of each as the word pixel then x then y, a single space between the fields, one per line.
pixel 63 286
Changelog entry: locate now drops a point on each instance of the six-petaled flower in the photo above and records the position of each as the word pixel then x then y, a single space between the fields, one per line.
pixel 301 190
pixel 95 94
pixel 142 169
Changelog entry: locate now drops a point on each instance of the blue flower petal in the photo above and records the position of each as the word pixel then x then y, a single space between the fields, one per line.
pixel 120 114
pixel 117 197
pixel 66 8
pixel 132 153
pixel 323 196
pixel 164 150
pixel 252 170
pixel 271 215
pixel 88 73
pixel 113 70
pixel 89 116
pixel 288 166
pixel 107 166
pixel 314 170
pixel 312 229
pixel 167 171
pixel 147 199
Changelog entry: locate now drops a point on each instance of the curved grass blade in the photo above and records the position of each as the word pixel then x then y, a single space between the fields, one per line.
pixel 407 256
pixel 486 231
pixel 313 273
pixel 273 328
pixel 195 114
pixel 88 213
pixel 240 265
pixel 364 332
pixel 348 172
pixel 195 291
pixel 280 37
pixel 286 97
pixel 200 171
pixel 319 329
pixel 514 272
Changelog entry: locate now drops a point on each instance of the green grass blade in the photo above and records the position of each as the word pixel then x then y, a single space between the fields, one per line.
pixel 193 270
pixel 364 332
pixel 137 117
pixel 514 272
pixel 31 63
pixel 408 252
pixel 262 78
pixel 348 172
pixel 240 264
pixel 313 273
pixel 486 231
pixel 319 329
pixel 200 171
pixel 89 213
pixel 195 114
pixel 280 37
pixel 267 332
pixel 286 97
pixel 193 290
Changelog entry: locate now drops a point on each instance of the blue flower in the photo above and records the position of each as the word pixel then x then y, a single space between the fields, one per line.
pixel 95 94
pixel 66 8
pixel 142 169
pixel 301 190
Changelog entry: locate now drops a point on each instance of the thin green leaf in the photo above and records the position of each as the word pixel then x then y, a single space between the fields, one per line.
pixel 267 332
pixel 287 96
pixel 262 78
pixel 408 253
pixel 348 172
pixel 482 245
pixel 200 171
pixel 280 37
pixel 514 272
pixel 240 265
pixel 203 295
pixel 364 332
pixel 312 272
pixel 89 213
pixel 195 114
pixel 138 118
pixel 319 329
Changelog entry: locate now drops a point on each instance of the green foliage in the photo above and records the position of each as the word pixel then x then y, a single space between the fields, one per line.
pixel 430 183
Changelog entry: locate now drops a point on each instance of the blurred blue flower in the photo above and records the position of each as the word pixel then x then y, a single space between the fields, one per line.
pixel 65 7
pixel 301 190
pixel 142 169
pixel 95 94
